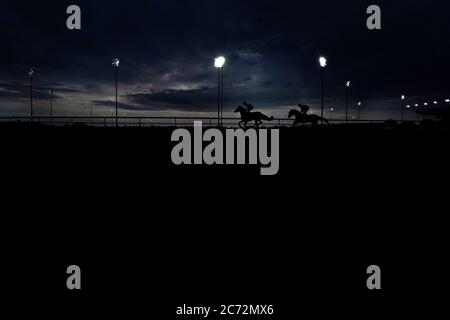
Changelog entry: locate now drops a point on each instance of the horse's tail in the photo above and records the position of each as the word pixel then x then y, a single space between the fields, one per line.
pixel 262 116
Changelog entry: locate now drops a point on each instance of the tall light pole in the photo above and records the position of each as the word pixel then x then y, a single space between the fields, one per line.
pixel 323 64
pixel 402 97
pixel 92 103
pixel 332 111
pixel 219 62
pixel 50 92
pixel 31 75
pixel 423 114
pixel 347 89
pixel 359 111
pixel 116 63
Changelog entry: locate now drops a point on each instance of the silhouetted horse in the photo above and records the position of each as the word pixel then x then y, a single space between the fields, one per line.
pixel 247 116
pixel 305 118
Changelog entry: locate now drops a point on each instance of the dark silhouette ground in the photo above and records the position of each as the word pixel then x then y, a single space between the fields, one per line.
pixel 149 233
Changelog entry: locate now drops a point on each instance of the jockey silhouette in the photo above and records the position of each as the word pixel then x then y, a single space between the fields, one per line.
pixel 248 106
pixel 303 109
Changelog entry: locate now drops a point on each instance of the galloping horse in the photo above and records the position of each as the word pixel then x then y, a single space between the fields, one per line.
pixel 305 118
pixel 247 116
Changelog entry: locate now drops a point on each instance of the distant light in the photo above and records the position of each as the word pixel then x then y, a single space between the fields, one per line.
pixel 31 72
pixel 332 109
pixel 219 62
pixel 359 103
pixel 416 105
pixel 447 100
pixel 116 62
pixel 403 97
pixel 435 102
pixel 323 62
pixel 348 84
pixel 408 106
pixel 425 104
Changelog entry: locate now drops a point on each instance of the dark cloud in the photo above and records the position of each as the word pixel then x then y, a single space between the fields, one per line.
pixel 205 99
pixel 112 103
pixel 17 90
pixel 178 98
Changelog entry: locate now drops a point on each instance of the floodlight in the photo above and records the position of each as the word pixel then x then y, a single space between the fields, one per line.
pixel 219 62
pixel 116 62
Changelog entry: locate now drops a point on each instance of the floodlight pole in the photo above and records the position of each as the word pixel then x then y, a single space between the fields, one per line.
pixel 359 114
pixel 31 98
pixel 116 76
pixel 218 97
pixel 402 99
pixel 346 103
pixel 323 84
pixel 323 64
pixel 359 111
pixel 219 62
pixel 91 112
pixel 51 106
pixel 221 96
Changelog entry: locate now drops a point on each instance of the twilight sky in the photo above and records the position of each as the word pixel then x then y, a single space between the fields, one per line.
pixel 167 48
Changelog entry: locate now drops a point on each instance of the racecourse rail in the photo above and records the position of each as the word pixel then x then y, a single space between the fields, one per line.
pixel 162 121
